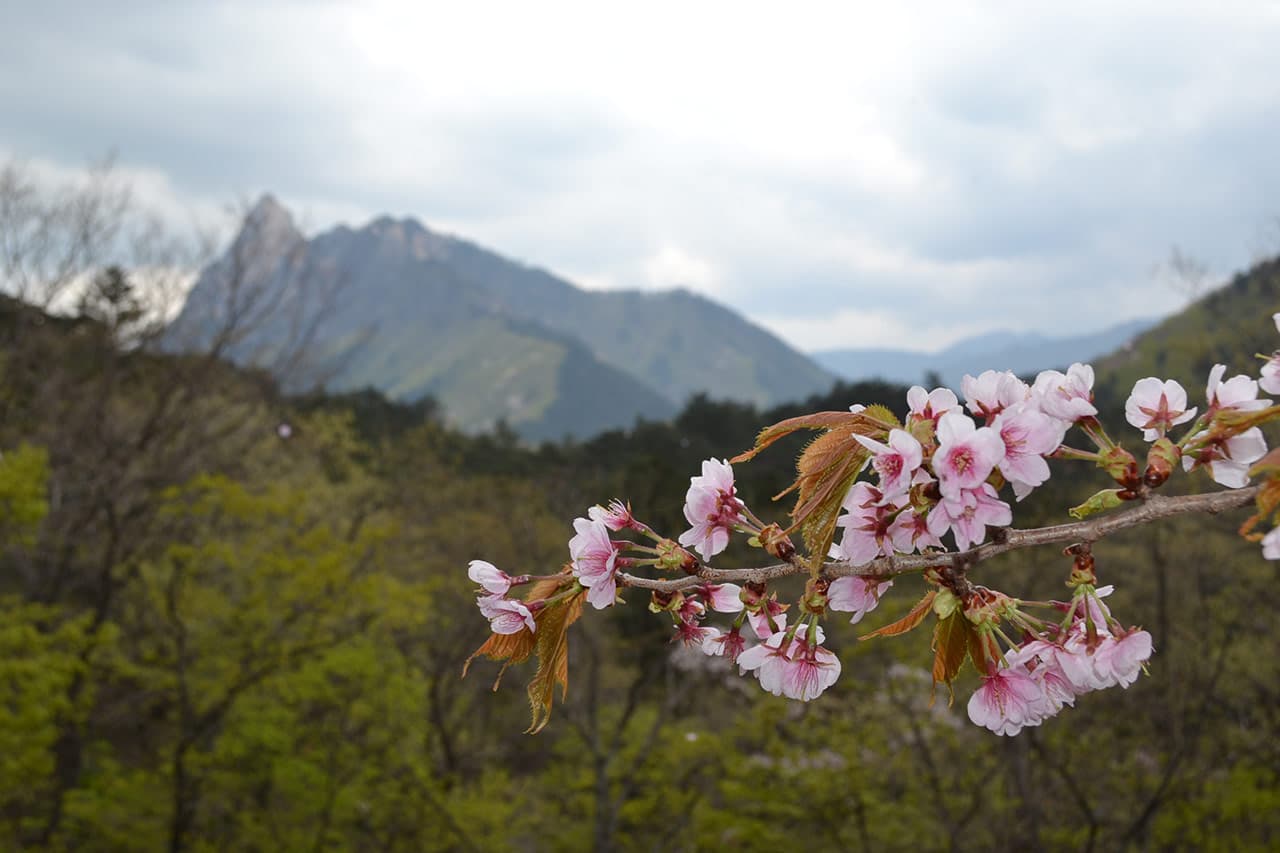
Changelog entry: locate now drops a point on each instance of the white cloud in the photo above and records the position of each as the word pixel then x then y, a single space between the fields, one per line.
pixel 866 329
pixel 1015 166
pixel 672 266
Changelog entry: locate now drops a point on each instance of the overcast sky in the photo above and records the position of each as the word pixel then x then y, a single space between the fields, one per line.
pixel 845 174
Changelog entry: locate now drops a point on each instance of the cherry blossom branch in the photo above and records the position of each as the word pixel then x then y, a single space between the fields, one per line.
pixel 1153 508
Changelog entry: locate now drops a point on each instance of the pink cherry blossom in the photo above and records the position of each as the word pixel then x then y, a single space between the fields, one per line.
pixel 931 405
pixel 992 392
pixel 910 532
pixel 1007 700
pixel 811 670
pixel 1228 462
pixel 966 455
pixel 1040 658
pixel 490 577
pixel 767 661
pixel 1068 397
pixel 1269 381
pixel 969 515
pixel 1076 662
pixel 729 645
pixel 594 561
pixel 712 507
pixel 722 597
pixel 866 526
pixel 1237 394
pixel 691 609
pixel 1155 407
pixel 856 595
pixel 1271 545
pixel 1028 435
pixel 895 462
pixel 690 633
pixel 1119 659
pixel 505 615
pixel 770 610
pixel 616 516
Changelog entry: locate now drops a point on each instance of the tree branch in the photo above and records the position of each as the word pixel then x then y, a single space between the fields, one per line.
pixel 1152 509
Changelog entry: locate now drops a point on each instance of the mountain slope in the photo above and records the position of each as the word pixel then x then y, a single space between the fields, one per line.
pixel 397 307
pixel 1023 353
pixel 675 341
pixel 381 310
pixel 1230 326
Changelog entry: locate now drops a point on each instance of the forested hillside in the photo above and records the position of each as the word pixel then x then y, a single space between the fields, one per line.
pixel 235 619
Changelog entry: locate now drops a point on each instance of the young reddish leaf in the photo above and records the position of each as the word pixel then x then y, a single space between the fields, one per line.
pixel 1267 502
pixel 553 657
pixel 516 648
pixel 982 647
pixel 817 420
pixel 906 623
pixel 826 468
pixel 950 647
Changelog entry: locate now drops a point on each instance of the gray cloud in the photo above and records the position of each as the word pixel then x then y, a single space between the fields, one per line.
pixel 994 170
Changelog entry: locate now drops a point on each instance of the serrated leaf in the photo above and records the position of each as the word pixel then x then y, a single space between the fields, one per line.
pixel 553 658
pixel 906 623
pixel 826 469
pixel 509 648
pixel 981 647
pixel 516 648
pixel 816 420
pixel 950 647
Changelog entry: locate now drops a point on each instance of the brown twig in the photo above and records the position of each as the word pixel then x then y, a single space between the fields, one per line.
pixel 1152 509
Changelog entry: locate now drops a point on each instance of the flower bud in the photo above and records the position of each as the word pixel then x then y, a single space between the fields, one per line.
pixel 1162 460
pixel 985 606
pixel 815 596
pixel 1105 499
pixel 1120 466
pixel 672 558
pixel 1082 568
pixel 666 602
pixel 776 542
pixel 945 603
pixel 752 594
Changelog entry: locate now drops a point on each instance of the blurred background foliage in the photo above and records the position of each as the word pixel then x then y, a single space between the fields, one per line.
pixel 236 620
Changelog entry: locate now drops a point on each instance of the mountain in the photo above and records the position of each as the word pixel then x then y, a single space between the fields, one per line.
pixel 1021 352
pixel 1231 325
pixel 411 312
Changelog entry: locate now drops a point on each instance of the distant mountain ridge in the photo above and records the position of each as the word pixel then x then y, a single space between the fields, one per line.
pixel 1021 352
pixel 411 312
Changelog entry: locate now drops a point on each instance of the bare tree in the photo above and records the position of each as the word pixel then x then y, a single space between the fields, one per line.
pixel 92 367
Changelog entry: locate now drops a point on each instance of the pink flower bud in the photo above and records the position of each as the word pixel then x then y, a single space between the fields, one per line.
pixel 1067 397
pixel 490 577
